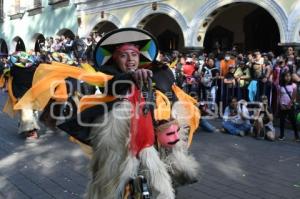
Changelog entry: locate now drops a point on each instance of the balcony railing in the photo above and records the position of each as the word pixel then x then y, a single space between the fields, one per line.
pixel 34 4
pixel 18 6
pixel 17 11
pixel 53 2
pixel 35 7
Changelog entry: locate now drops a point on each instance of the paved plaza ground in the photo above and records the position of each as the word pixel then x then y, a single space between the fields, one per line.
pixel 231 166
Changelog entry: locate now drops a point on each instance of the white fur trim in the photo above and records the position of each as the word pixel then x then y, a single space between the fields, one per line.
pixel 28 121
pixel 156 173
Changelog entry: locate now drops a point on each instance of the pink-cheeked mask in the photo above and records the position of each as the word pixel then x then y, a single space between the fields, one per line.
pixel 167 134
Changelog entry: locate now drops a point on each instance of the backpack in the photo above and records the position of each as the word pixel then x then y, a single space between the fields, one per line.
pixel 207 78
pixel 78 45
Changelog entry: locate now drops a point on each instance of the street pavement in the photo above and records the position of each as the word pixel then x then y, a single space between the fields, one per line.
pixel 231 167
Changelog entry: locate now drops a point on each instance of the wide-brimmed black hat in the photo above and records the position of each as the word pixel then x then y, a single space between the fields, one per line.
pixel 146 43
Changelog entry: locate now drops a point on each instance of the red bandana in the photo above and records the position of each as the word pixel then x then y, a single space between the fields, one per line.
pixel 125 47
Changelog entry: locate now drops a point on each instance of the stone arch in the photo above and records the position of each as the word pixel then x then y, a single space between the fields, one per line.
pixel 3 46
pixel 197 32
pixel 36 40
pixel 103 27
pixel 87 29
pixel 66 32
pixel 17 44
pixel 294 24
pixel 162 8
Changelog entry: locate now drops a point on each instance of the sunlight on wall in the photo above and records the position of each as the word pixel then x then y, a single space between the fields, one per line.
pixel 49 22
pixel 187 8
pixel 288 4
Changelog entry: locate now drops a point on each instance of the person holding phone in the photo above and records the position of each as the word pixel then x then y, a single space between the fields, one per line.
pixel 263 124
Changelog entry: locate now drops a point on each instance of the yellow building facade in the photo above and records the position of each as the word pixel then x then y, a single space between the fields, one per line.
pixel 180 24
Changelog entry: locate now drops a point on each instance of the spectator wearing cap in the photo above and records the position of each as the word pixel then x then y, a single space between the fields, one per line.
pixel 256 69
pixel 189 67
pixel 188 70
pixel 242 75
pixel 257 65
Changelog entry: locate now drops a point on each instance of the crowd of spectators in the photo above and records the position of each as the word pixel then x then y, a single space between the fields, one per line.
pixel 245 89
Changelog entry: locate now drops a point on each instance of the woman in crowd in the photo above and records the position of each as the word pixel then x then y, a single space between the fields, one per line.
pixel 288 93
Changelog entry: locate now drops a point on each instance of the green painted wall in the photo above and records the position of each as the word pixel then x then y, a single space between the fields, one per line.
pixel 188 8
pixel 48 23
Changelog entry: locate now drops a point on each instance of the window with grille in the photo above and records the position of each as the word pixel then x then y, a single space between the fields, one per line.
pixel 37 3
pixel 18 6
pixel 1 10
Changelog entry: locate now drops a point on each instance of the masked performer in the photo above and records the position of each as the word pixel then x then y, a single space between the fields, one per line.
pixel 124 54
pixel 20 80
pixel 120 125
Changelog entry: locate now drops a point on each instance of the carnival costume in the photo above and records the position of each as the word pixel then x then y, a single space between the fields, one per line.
pixel 123 132
pixel 19 82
